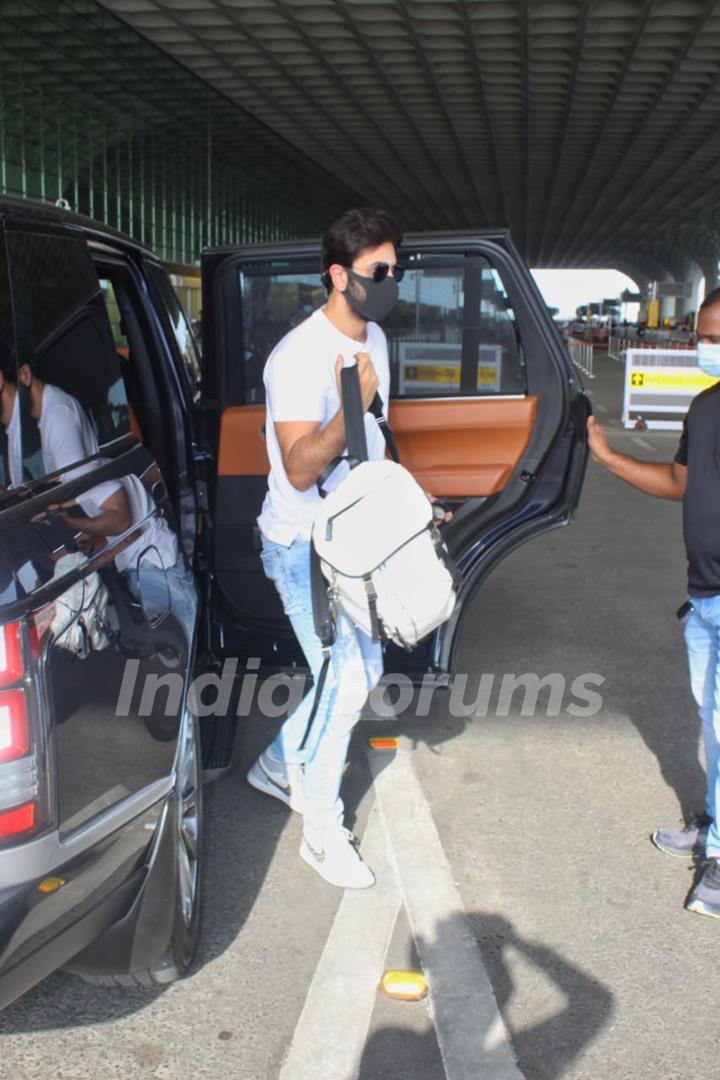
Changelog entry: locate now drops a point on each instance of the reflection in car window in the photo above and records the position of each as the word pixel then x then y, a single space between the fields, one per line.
pixel 451 334
pixel 181 328
pixel 69 382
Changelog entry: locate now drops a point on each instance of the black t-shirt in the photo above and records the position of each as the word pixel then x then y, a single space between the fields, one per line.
pixel 699 449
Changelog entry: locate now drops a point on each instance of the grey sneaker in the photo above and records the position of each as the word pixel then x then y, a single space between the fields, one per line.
pixel 282 781
pixel 705 897
pixel 684 841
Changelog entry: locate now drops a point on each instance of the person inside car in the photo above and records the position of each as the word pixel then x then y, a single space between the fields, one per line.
pixel 305 432
pixel 694 478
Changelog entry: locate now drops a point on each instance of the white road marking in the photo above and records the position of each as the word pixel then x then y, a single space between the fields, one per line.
pixel 643 443
pixel 601 408
pixel 332 1030
pixel 473 1039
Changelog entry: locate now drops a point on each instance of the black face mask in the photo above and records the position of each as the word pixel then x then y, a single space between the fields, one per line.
pixel 371 300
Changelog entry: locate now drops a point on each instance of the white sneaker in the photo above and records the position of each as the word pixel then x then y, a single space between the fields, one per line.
pixel 334 856
pixel 279 779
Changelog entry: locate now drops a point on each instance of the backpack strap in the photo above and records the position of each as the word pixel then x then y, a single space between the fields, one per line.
pixel 354 414
pixel 325 630
pixel 375 627
pixel 322 616
pixel 376 408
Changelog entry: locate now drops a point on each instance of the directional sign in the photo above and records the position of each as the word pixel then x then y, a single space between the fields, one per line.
pixel 660 385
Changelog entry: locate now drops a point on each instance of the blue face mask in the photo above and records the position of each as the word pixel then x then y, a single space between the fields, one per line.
pixel 708 357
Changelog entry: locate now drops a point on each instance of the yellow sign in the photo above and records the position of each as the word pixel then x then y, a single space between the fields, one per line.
pixel 653 379
pixel 448 375
pixel 433 374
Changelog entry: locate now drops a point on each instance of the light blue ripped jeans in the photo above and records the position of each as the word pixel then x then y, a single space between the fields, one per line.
pixel 702 637
pixel 355 669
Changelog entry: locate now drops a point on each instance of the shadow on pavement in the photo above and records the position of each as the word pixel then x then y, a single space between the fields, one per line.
pixel 544 1050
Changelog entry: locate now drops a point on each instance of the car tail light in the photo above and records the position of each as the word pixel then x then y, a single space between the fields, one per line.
pixel 11 665
pixel 17 821
pixel 14 734
pixel 19 787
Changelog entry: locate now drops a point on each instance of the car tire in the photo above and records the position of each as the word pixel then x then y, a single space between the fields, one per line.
pixel 187 836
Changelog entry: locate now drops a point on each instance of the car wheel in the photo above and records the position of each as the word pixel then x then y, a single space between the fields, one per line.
pixel 187 837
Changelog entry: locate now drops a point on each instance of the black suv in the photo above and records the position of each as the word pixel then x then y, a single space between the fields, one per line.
pixel 131 477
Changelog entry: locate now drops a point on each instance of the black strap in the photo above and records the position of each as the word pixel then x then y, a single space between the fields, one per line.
pixel 322 676
pixel 324 628
pixel 375 628
pixel 353 413
pixel 322 616
pixel 376 409
pixel 330 469
pixel 356 439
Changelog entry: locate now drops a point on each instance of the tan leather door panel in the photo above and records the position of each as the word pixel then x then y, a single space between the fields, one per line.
pixel 454 449
pixel 242 450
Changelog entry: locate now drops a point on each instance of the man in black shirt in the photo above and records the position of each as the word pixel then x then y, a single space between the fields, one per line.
pixel 694 478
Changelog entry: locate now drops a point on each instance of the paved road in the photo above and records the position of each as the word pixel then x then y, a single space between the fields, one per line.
pixel 539 882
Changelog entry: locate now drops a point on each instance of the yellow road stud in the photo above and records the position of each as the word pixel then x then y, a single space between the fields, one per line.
pixel 404 985
pixel 51 885
pixel 383 743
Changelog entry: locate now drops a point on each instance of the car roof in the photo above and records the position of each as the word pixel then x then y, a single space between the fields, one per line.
pixel 39 212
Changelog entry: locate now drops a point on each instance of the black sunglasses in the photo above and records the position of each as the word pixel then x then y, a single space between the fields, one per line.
pixel 381 270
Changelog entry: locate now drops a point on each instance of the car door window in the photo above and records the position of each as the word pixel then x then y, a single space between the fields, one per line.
pixel 452 333
pixel 182 331
pixel 70 386
pixel 8 367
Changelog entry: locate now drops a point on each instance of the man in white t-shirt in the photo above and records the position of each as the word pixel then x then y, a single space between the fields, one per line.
pixel 305 432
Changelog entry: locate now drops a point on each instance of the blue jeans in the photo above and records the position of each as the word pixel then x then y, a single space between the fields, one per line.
pixel 162 591
pixel 355 669
pixel 702 637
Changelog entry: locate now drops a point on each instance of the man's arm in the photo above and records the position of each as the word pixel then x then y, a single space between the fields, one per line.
pixel 666 481
pixel 114 517
pixel 306 449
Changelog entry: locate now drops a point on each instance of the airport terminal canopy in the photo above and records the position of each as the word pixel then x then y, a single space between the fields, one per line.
pixel 589 127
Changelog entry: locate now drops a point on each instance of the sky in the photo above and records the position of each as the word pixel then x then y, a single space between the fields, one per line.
pixel 568 289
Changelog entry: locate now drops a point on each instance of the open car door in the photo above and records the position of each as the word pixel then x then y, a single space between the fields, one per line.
pixel 487 411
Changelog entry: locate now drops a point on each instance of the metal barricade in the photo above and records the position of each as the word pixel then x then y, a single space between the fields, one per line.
pixel 581 354
pixel 660 385
pixel 616 348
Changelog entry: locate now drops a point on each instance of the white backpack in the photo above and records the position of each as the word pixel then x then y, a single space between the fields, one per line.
pixel 379 550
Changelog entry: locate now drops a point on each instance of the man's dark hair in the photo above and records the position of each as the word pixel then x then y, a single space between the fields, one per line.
pixel 352 233
pixel 711 299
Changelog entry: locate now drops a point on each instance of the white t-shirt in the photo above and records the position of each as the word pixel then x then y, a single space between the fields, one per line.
pixel 66 434
pixel 300 384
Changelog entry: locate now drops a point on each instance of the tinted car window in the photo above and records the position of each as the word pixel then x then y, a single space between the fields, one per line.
pixel 452 333
pixel 7 365
pixel 65 342
pixel 182 330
